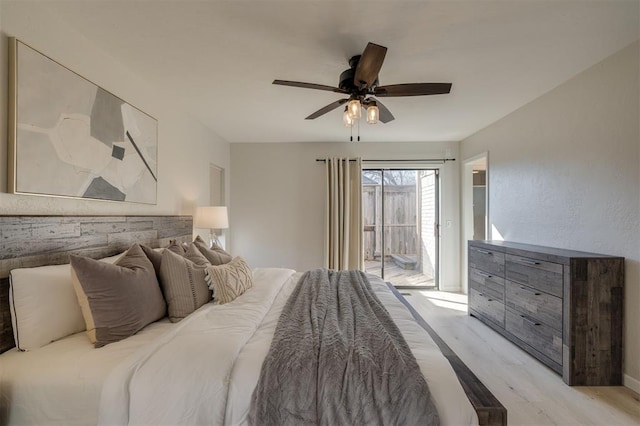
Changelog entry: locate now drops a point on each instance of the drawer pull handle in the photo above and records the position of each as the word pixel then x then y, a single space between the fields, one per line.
pixel 529 321
pixel 529 262
pixel 482 274
pixel 528 290
pixel 484 252
pixel 488 299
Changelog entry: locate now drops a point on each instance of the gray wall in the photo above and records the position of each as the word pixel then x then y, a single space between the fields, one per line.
pixel 564 171
pixel 278 200
pixel 185 146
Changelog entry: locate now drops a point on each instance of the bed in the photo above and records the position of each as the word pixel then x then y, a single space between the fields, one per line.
pixel 70 382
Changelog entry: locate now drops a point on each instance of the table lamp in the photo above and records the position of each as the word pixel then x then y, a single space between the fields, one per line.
pixel 212 218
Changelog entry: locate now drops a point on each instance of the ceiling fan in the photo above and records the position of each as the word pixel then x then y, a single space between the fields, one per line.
pixel 360 82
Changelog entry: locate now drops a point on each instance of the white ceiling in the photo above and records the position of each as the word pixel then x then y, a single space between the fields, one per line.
pixel 219 58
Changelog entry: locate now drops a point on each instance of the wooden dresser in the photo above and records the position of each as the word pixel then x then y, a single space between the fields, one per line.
pixel 563 307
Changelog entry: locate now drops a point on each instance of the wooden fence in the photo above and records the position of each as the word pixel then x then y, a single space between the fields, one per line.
pixel 400 210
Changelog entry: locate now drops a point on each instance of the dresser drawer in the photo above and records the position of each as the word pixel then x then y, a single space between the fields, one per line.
pixel 535 304
pixel 486 283
pixel 541 275
pixel 543 338
pixel 487 260
pixel 488 307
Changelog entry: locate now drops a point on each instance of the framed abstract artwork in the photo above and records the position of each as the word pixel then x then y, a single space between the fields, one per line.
pixel 71 138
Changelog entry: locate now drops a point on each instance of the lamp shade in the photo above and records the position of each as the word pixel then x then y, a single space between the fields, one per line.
pixel 211 217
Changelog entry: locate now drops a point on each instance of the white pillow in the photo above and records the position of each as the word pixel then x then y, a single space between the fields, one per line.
pixel 44 306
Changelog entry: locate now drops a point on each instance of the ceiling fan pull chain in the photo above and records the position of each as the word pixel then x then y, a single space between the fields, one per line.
pixel 358 130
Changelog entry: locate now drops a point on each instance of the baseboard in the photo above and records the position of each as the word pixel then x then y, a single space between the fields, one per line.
pixel 631 383
pixel 450 289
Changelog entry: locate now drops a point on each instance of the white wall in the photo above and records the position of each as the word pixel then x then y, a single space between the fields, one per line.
pixel 278 200
pixel 185 146
pixel 565 172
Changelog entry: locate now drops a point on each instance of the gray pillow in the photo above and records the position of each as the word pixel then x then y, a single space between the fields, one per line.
pixel 216 255
pixel 154 256
pixel 230 280
pixel 176 247
pixel 117 300
pixel 183 282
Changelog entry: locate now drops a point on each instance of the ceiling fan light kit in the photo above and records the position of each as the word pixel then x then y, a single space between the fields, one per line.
pixel 355 109
pixel 346 118
pixel 361 83
pixel 373 113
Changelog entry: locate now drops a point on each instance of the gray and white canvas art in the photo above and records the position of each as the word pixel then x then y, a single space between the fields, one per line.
pixel 75 139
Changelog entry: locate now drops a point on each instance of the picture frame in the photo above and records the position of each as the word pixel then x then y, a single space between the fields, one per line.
pixel 69 137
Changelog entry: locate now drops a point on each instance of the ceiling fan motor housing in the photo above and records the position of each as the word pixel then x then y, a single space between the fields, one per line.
pixel 347 79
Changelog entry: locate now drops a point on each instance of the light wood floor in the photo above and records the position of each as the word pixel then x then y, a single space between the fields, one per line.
pixel 532 393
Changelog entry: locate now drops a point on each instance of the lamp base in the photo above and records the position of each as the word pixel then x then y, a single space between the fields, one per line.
pixel 213 240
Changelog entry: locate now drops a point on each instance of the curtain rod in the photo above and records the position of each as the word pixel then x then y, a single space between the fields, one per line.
pixel 324 160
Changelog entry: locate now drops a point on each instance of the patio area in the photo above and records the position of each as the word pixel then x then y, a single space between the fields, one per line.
pixel 398 276
pixel 399 216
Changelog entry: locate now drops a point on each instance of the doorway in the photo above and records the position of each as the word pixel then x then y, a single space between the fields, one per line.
pixel 216 185
pixel 217 195
pixel 401 226
pixel 475 205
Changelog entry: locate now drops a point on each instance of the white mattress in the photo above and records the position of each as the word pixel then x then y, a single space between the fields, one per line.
pixel 62 382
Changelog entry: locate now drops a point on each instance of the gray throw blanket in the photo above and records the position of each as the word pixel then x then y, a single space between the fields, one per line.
pixel 337 358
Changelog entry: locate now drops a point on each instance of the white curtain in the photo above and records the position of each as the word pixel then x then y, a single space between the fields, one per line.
pixel 343 224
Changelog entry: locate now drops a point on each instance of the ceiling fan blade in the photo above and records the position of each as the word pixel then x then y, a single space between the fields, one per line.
pixel 369 65
pixel 384 114
pixel 413 89
pixel 308 86
pixel 324 110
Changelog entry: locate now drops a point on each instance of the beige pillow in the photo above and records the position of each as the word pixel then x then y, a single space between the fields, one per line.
pixel 195 255
pixel 117 300
pixel 183 282
pixel 216 255
pixel 176 247
pixel 189 251
pixel 230 280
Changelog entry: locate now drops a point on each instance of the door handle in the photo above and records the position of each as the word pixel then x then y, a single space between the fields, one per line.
pixel 528 262
pixel 482 274
pixel 484 252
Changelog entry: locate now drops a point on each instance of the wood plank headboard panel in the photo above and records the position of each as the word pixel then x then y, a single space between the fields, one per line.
pixel 29 241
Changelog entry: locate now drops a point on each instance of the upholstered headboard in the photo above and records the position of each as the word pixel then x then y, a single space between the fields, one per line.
pixel 28 241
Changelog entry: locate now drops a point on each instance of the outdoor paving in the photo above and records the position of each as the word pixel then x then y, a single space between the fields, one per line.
pixel 398 276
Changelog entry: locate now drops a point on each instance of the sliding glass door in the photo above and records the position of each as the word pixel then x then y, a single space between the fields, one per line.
pixel 401 225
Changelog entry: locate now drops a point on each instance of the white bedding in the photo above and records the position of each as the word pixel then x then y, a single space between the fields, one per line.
pixel 60 383
pixel 201 370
